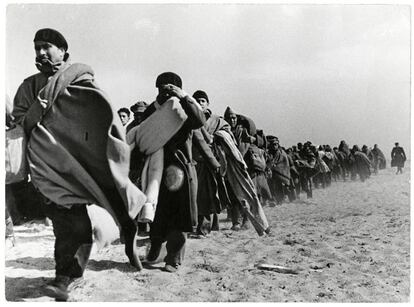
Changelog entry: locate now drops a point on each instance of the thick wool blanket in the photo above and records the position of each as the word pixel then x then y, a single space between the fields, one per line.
pixel 170 114
pixel 279 164
pixel 76 151
pixel 238 177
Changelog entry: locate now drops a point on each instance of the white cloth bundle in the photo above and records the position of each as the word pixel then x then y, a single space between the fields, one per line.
pixel 104 228
pixel 150 184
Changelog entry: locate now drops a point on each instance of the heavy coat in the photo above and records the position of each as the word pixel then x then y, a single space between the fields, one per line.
pixel 398 157
pixel 178 210
pixel 208 196
pixel 76 150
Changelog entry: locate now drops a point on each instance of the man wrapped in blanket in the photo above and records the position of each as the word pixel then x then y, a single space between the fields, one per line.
pixel 165 137
pixel 77 156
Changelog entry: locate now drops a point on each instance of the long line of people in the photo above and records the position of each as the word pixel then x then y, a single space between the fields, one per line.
pixel 235 161
pixel 175 166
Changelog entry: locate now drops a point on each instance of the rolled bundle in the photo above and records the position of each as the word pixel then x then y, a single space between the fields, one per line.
pixel 150 181
pixel 156 130
pixel 104 228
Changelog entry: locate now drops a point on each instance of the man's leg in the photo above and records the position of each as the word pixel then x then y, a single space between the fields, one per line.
pixel 278 188
pixel 309 187
pixel 235 209
pixel 175 250
pixel 73 231
pixel 215 226
pixel 155 249
pixel 204 225
pixel 11 206
pixel 9 229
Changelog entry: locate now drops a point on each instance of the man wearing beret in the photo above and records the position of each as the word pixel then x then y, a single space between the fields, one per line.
pixel 77 156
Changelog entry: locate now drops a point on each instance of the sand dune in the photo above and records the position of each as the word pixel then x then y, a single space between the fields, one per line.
pixel 350 243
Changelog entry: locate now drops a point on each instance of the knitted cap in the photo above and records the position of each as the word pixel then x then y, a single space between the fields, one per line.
pixel 200 94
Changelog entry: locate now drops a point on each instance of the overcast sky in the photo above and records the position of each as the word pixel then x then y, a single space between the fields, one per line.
pixel 301 72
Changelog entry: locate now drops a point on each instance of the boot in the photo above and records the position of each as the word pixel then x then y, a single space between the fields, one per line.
pixel 58 288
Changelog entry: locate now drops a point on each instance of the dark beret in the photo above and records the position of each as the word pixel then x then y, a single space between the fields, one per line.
pixel 168 78
pixel 51 36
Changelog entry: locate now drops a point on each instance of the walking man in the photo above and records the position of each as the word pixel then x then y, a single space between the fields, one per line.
pixel 398 158
pixel 77 156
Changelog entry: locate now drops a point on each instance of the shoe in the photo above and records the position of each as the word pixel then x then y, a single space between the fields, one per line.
pixel 272 203
pixel 154 252
pixel 235 227
pixel 58 288
pixel 196 236
pixel 171 268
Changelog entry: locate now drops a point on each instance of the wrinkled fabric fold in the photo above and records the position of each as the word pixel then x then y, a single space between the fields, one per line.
pixel 76 160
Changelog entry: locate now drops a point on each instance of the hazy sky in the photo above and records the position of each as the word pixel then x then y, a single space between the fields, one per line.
pixel 301 72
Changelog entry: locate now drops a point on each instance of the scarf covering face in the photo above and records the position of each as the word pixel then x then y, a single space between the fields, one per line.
pixel 47 67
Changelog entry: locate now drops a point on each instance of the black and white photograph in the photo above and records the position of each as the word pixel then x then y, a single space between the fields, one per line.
pixel 207 152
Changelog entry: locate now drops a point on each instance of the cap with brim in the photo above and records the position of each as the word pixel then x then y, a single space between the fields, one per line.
pixel 139 107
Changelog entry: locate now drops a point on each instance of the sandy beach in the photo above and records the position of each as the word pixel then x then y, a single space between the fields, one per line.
pixel 350 243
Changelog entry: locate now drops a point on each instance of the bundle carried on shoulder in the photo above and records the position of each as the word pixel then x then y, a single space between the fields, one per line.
pixel 156 130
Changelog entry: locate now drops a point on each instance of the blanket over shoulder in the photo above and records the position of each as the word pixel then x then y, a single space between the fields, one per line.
pixel 76 150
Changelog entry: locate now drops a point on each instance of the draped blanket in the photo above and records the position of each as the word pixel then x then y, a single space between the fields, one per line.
pixel 150 137
pixel 306 168
pixel 171 116
pixel 380 158
pixel 238 177
pixel 362 163
pixel 279 164
pixel 76 151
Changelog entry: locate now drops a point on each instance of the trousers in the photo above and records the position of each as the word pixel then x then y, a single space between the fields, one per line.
pixel 73 232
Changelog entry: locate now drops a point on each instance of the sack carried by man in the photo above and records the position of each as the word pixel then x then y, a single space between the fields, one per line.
pixel 16 164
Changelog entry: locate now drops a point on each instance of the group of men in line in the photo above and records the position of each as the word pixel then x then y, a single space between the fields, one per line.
pixel 79 154
pixel 176 165
pixel 277 173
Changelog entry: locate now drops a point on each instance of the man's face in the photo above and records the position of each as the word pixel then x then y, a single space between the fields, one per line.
pixel 47 51
pixel 203 103
pixel 163 94
pixel 138 116
pixel 233 120
pixel 124 118
pixel 274 146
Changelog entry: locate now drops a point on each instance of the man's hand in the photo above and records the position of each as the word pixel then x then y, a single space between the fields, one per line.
pixel 174 91
pixel 245 137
